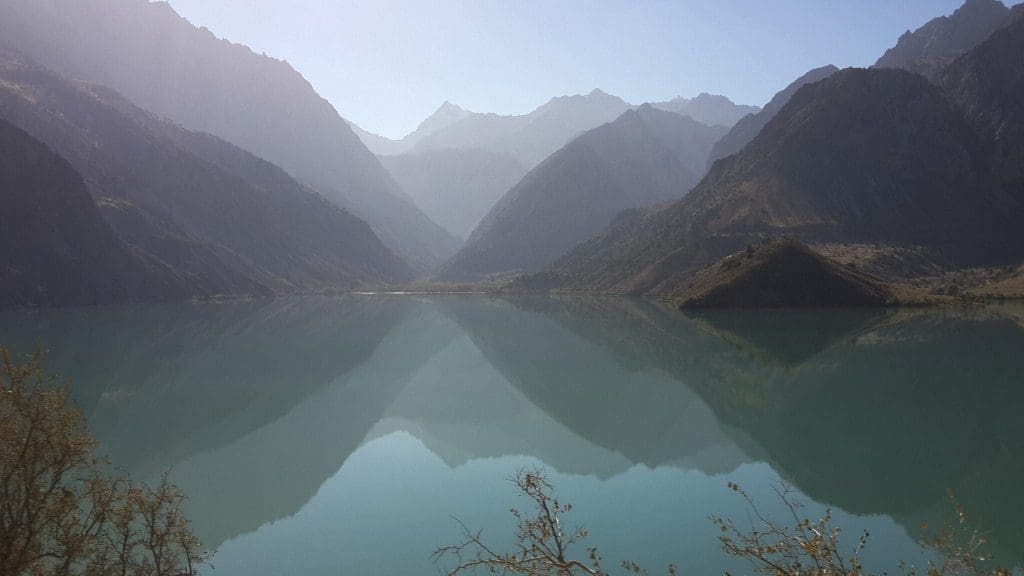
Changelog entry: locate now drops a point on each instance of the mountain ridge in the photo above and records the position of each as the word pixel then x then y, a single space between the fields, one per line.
pixel 224 221
pixel 748 127
pixel 163 63
pixel 646 156
pixel 907 165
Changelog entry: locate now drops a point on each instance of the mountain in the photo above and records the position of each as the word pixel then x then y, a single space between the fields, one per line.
pixel 443 117
pixel 223 220
pixel 869 159
pixel 161 62
pixel 929 48
pixel 988 84
pixel 781 274
pixel 55 248
pixel 455 188
pixel 645 157
pixel 532 137
pixel 749 126
pixel 376 143
pixel 710 109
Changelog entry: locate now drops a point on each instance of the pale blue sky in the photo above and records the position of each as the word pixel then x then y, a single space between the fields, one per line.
pixel 387 64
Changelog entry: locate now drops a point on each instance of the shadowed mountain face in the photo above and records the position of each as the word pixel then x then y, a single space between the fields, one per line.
pixel 443 117
pixel 645 157
pixel 748 127
pixel 866 156
pixel 55 248
pixel 932 46
pixel 161 62
pixel 710 109
pixel 222 220
pixel 455 187
pixel 457 164
pixel 988 83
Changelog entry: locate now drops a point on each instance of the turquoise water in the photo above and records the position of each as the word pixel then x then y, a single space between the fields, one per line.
pixel 342 435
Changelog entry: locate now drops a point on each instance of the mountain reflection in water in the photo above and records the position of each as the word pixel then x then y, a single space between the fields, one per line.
pixel 336 434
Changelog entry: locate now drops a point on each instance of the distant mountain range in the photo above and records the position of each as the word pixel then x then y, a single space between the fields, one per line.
pixel 533 137
pixel 443 117
pixel 211 217
pixel 457 163
pixel 164 64
pixel 456 188
pixel 710 109
pixel 864 158
pixel 645 157
pixel 55 247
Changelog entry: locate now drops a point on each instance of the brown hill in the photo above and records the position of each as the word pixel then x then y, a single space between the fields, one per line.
pixel 782 274
pixel 750 125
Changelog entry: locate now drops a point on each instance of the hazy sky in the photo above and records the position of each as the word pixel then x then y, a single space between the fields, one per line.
pixel 386 65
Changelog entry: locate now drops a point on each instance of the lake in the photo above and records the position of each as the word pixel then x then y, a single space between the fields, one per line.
pixel 344 435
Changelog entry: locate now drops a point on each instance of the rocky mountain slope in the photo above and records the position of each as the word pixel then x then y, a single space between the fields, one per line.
pixel 55 248
pixel 875 157
pixel 645 157
pixel 781 274
pixel 748 127
pixel 988 84
pixel 220 218
pixel 932 46
pixel 163 63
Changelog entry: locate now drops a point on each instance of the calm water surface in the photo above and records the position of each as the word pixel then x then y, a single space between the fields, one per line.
pixel 341 435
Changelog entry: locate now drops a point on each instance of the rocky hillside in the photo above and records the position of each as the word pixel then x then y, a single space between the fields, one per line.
pixel 164 64
pixel 747 128
pixel 988 84
pixel 221 219
pixel 645 157
pixel 55 248
pixel 529 138
pixel 443 117
pixel 874 157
